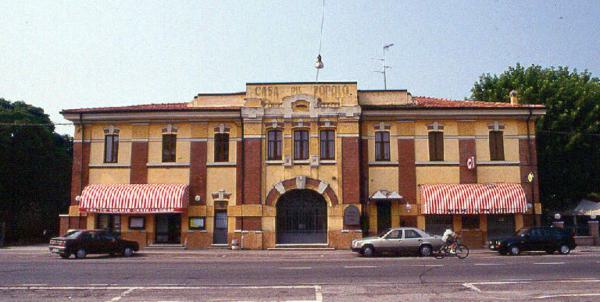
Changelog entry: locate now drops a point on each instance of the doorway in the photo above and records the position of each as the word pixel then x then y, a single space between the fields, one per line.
pixel 301 218
pixel 220 231
pixel 384 216
pixel 168 228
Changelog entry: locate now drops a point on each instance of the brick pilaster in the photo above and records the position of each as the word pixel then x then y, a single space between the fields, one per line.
pixel 139 161
pixel 364 171
pixel 350 170
pixel 80 172
pixel 527 166
pixel 198 171
pixel 466 149
pixel 252 170
pixel 407 176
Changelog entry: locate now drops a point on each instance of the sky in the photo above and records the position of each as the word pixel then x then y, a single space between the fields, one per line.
pixel 74 54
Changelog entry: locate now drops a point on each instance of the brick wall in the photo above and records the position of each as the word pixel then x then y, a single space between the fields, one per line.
pixel 364 171
pixel 529 166
pixel 252 170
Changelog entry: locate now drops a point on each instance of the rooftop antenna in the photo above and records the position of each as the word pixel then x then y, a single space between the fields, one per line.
pixel 319 63
pixel 384 67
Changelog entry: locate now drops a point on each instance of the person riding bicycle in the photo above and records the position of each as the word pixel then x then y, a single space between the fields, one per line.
pixel 450 238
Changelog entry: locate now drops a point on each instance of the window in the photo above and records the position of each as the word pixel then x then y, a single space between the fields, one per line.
pixel 111 148
pixel 137 222
pixel 169 145
pixel 327 144
pixel 496 145
pixel 197 223
pixel 109 222
pixel 470 222
pixel 395 234
pixel 408 234
pixel 274 145
pixel 382 146
pixel 300 144
pixel 221 147
pixel 436 146
pixel 437 224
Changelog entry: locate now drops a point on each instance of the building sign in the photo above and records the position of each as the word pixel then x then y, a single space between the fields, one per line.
pixel 342 93
pixel 471 162
pixel 351 215
pixel 197 223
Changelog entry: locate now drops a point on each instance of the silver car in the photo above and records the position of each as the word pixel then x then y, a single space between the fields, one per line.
pixel 398 240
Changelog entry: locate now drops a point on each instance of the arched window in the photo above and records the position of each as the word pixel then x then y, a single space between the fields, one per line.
pixel 274 139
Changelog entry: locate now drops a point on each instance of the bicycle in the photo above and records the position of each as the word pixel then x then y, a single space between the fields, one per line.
pixel 461 251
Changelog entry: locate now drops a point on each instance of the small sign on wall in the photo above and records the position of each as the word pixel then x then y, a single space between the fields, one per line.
pixel 351 215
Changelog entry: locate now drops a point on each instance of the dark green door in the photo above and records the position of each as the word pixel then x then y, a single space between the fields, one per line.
pixel 384 216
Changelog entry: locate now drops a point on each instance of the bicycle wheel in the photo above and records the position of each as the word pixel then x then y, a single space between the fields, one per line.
pixel 441 253
pixel 462 251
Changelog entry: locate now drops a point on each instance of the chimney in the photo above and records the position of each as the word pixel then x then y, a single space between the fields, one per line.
pixel 514 98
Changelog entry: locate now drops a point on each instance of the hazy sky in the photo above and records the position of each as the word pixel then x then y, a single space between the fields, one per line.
pixel 71 54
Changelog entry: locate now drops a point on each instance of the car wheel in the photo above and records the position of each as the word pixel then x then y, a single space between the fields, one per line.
pixel 425 251
pixel 550 251
pixel 515 250
pixel 128 252
pixel 564 249
pixel 80 254
pixel 65 255
pixel 368 251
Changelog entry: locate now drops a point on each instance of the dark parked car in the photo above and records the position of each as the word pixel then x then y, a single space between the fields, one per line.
pixel 83 242
pixel 548 239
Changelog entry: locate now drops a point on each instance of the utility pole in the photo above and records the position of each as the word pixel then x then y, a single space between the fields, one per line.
pixel 384 67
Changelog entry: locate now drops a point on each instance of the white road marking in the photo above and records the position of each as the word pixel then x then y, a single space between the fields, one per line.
pixel 34 284
pixel 427 265
pixel 296 267
pixel 360 266
pixel 549 263
pixel 123 294
pixel 568 295
pixel 471 287
pixel 318 293
pixel 486 264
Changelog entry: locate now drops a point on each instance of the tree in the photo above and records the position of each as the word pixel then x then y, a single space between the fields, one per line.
pixel 568 137
pixel 35 172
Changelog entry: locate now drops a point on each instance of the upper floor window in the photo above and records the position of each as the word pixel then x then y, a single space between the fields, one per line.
pixel 496 145
pixel 221 147
pixel 274 139
pixel 382 145
pixel 169 147
pixel 436 146
pixel 327 144
pixel 300 144
pixel 111 145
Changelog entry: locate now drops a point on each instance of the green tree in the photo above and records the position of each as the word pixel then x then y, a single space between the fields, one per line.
pixel 568 137
pixel 35 172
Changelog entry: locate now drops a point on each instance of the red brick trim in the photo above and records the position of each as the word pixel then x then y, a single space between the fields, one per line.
pixel 407 170
pixel 139 160
pixel 350 170
pixel 198 171
pixel 249 223
pixel 466 149
pixel 239 185
pixel 364 171
pixel 527 166
pixel 80 172
pixel 290 184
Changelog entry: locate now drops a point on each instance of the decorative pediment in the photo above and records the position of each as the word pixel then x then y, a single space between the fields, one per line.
pixel 221 195
pixel 386 195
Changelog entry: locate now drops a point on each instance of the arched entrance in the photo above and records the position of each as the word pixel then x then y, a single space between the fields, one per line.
pixel 301 217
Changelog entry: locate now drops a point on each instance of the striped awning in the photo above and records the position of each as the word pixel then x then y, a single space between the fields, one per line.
pixel 134 198
pixel 493 198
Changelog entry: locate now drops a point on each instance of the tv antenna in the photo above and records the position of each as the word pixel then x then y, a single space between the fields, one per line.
pixel 384 67
pixel 319 63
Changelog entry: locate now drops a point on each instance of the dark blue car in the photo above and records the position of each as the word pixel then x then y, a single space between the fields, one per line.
pixel 548 239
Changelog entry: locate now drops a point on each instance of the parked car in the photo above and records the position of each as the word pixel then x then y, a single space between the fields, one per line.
pixel 83 242
pixel 398 240
pixel 548 239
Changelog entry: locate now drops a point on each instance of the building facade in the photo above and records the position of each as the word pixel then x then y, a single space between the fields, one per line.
pixel 303 163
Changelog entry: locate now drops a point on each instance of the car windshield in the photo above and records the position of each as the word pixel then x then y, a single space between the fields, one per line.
pixel 382 233
pixel 72 234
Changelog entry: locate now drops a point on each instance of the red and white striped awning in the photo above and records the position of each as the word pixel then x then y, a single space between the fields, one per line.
pixel 493 198
pixel 134 198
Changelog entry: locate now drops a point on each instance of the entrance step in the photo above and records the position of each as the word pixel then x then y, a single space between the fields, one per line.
pixel 219 246
pixel 165 246
pixel 302 247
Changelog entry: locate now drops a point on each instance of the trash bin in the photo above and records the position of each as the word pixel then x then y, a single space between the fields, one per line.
pixel 235 244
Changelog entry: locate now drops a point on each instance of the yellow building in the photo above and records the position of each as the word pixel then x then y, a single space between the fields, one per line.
pixel 313 164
